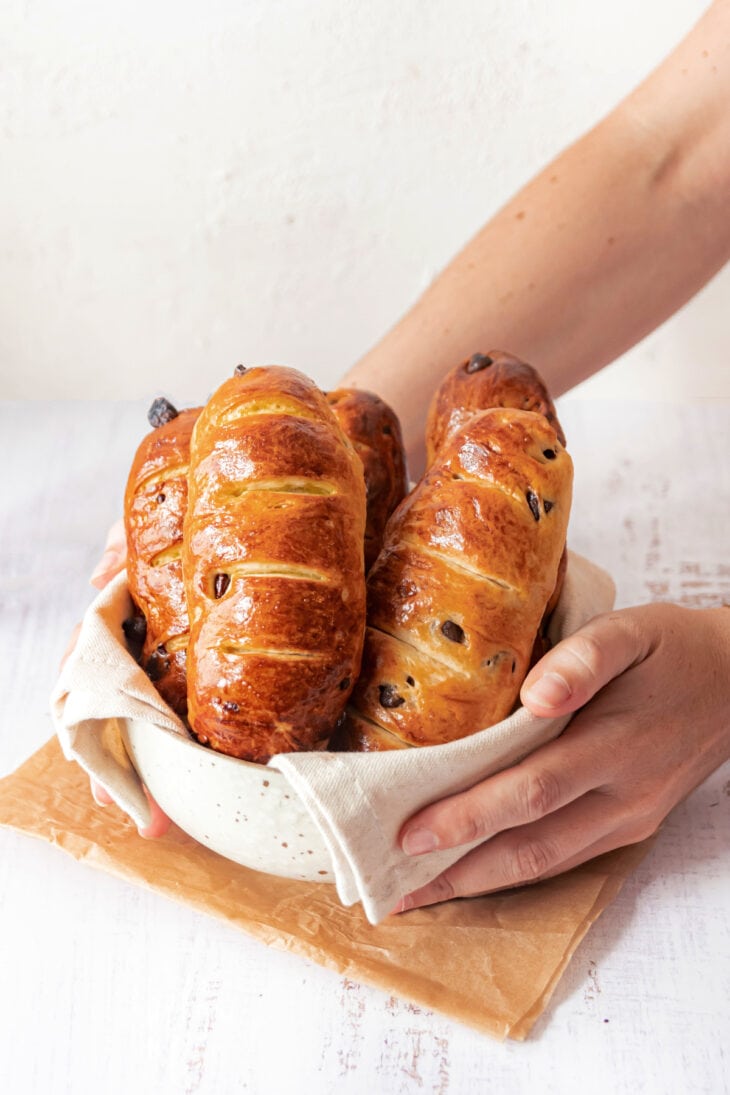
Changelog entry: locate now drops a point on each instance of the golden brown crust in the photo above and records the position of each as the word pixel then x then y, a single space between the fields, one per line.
pixel 456 597
pixel 374 430
pixel 154 507
pixel 494 379
pixel 354 734
pixel 273 565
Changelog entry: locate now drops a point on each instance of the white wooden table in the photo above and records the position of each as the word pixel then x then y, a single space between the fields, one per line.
pixel 105 987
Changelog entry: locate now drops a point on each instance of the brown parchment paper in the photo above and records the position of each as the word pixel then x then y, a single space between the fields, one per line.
pixel 490 962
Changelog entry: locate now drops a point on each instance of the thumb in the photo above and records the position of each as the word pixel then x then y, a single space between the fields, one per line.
pixel 578 667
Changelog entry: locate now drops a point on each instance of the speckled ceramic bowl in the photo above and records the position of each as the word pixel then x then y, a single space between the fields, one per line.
pixel 245 812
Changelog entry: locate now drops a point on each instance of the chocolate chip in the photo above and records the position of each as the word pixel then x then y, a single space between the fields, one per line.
pixel 157 665
pixel 410 680
pixel 239 370
pixel 344 684
pixel 135 632
pixel 221 584
pixel 161 412
pixel 477 362
pixel 230 707
pixel 548 505
pixel 135 629
pixel 159 499
pixel 161 650
pixel 452 631
pixel 387 431
pixel 514 665
pixel 534 503
pixel 389 696
pixel 549 454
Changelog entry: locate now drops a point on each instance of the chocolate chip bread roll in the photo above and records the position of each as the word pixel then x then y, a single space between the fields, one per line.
pixel 375 432
pixel 457 594
pixel 273 566
pixel 154 507
pixel 495 379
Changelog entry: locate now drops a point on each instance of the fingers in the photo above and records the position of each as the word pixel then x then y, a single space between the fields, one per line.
pixel 585 828
pixel 547 780
pixel 114 558
pixel 100 796
pixel 159 823
pixel 578 667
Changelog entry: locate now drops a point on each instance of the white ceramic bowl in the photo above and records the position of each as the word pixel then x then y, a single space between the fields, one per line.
pixel 245 812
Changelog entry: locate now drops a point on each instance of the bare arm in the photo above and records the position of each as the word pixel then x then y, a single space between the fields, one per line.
pixel 593 254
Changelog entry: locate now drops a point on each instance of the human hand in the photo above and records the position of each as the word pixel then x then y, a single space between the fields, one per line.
pixel 653 687
pixel 114 558
pixel 112 561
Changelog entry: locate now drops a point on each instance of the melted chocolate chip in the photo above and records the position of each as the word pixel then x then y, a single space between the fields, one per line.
pixel 344 684
pixel 549 454
pixel 389 696
pixel 452 631
pixel 160 499
pixel 161 412
pixel 157 665
pixel 534 503
pixel 161 650
pixel 514 665
pixel 548 505
pixel 230 707
pixel 221 583
pixel 387 431
pixel 477 362
pixel 239 370
pixel 410 681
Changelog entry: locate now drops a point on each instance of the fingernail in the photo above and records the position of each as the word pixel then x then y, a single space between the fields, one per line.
pixel 551 690
pixel 97 800
pixel 403 905
pixel 108 561
pixel 417 841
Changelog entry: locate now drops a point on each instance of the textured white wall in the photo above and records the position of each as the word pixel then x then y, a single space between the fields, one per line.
pixel 187 185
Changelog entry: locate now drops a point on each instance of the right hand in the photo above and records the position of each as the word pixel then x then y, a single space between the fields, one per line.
pixel 112 561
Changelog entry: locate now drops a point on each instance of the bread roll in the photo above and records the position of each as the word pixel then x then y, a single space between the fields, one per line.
pixel 456 596
pixel 495 379
pixel 155 501
pixel 273 566
pixel 374 430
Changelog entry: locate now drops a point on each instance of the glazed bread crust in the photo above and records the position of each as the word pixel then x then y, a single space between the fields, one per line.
pixel 494 379
pixel 155 502
pixel 374 430
pixel 273 566
pixel 456 597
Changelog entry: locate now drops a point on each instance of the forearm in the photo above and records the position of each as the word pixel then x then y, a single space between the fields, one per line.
pixel 606 243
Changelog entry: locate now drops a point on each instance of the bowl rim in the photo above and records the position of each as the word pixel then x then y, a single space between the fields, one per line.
pixel 184 739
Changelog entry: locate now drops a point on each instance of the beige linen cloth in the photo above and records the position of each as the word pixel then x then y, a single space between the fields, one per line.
pixel 358 801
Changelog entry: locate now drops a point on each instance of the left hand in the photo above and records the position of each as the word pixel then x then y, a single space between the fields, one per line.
pixel 653 688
